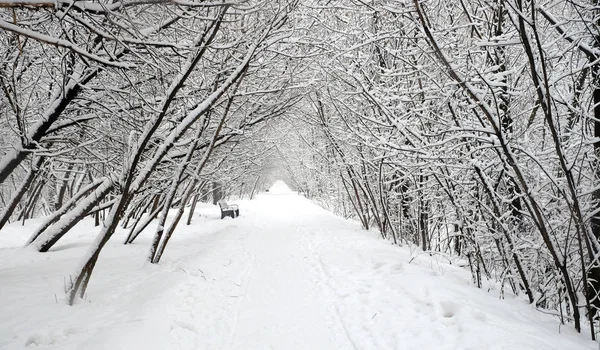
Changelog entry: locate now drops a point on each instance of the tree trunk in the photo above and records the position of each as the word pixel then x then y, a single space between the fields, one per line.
pixel 192 209
pixel 52 218
pixel 47 239
pixel 25 184
pixel 136 230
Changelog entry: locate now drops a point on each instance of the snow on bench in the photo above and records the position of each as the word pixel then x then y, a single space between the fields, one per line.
pixel 228 210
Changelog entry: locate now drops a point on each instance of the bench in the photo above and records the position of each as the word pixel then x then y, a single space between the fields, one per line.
pixel 228 210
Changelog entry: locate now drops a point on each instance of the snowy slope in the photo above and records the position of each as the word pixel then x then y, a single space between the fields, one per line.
pixel 284 275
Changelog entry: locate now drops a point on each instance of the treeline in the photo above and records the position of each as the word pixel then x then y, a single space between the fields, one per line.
pixel 131 109
pixel 470 129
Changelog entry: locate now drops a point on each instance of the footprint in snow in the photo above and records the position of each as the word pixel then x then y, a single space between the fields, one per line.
pixel 480 316
pixel 183 325
pixel 377 266
pixel 50 338
pixel 397 268
pixel 448 308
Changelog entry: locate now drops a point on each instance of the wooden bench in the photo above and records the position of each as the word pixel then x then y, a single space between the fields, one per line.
pixel 228 210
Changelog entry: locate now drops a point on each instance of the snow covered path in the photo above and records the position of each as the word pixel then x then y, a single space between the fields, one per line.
pixel 285 275
pixel 282 304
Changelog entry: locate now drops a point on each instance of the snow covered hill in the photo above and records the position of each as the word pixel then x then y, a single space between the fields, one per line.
pixel 286 274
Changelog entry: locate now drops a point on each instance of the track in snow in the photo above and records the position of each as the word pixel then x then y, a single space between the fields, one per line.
pixel 283 303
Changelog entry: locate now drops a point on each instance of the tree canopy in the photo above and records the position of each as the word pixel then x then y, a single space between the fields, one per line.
pixel 470 129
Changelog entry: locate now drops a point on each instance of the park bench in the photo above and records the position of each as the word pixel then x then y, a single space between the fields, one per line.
pixel 228 210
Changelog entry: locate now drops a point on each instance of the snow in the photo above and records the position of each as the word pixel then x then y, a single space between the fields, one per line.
pixel 280 187
pixel 286 274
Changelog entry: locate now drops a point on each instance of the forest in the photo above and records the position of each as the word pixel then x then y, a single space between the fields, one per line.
pixel 468 129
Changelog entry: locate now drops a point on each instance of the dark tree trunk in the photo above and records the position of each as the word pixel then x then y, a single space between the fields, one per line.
pixel 70 219
pixel 136 230
pixel 593 274
pixel 25 184
pixel 192 209
pixel 217 192
pixel 63 189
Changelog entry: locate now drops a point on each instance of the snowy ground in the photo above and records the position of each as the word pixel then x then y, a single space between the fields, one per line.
pixel 284 275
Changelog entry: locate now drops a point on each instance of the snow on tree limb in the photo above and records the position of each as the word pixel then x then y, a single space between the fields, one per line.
pixel 47 39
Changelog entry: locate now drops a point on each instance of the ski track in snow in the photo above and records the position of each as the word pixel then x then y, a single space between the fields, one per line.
pixel 282 289
pixel 284 275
